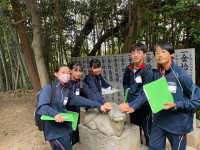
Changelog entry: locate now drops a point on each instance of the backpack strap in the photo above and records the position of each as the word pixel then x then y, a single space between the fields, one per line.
pixel 144 71
pixel 129 72
pixel 70 95
pixel 53 92
pixel 81 85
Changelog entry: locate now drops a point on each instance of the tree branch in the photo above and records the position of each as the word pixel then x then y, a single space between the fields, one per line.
pixel 84 33
pixel 107 35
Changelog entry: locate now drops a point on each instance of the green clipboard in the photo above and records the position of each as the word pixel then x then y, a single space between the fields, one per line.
pixel 70 116
pixel 157 93
pixel 126 95
pixel 75 116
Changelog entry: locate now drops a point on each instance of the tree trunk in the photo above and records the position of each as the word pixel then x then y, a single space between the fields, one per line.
pixel 89 26
pixel 5 68
pixel 112 36
pixel 20 58
pixel 106 35
pixel 37 41
pixel 25 46
pixel 2 87
pixel 60 32
pixel 9 55
pixel 133 27
pixel 23 64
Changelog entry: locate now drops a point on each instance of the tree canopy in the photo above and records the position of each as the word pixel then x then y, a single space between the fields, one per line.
pixel 66 28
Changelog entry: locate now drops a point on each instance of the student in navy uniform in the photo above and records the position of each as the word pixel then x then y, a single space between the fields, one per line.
pixel 58 132
pixel 176 119
pixel 76 70
pixel 135 76
pixel 95 81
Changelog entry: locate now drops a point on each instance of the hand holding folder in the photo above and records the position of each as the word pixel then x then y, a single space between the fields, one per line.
pixel 70 116
pixel 157 93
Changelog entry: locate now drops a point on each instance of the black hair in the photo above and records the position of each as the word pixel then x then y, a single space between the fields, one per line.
pixel 164 46
pixel 76 65
pixel 60 66
pixel 139 47
pixel 95 63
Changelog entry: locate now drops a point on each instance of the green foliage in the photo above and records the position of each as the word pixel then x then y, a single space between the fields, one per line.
pixel 175 21
pixel 172 21
pixel 29 86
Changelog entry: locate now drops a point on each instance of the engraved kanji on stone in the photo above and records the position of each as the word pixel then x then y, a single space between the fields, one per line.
pixel 184 58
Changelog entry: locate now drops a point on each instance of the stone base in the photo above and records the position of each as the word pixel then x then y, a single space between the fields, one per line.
pixel 78 146
pixel 193 138
pixel 93 140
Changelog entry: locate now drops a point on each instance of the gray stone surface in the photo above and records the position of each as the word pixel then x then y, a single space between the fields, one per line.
pixel 78 146
pixel 110 124
pixel 93 140
pixel 193 138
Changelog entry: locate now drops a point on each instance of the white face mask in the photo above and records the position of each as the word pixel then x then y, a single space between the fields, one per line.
pixel 64 78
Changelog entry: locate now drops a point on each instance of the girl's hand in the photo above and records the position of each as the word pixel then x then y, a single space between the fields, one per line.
pixel 107 104
pixel 123 107
pixel 130 110
pixel 105 108
pixel 59 118
pixel 169 105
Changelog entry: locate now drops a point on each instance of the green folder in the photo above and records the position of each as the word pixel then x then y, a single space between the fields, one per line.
pixel 126 95
pixel 157 93
pixel 70 116
pixel 75 116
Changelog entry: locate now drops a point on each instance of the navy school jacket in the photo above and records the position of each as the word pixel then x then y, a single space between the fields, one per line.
pixel 186 96
pixel 87 92
pixel 135 81
pixel 95 83
pixel 52 129
pixel 74 86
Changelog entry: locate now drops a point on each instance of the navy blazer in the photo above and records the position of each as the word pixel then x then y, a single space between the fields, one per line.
pixel 186 97
pixel 52 129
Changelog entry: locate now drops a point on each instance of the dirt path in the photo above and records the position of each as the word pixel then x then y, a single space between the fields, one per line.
pixel 17 128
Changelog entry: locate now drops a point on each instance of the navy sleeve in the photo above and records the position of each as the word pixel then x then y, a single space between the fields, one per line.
pixel 88 92
pixel 84 102
pixel 191 89
pixel 138 102
pixel 91 84
pixel 104 84
pixel 142 99
pixel 43 107
pixel 126 79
